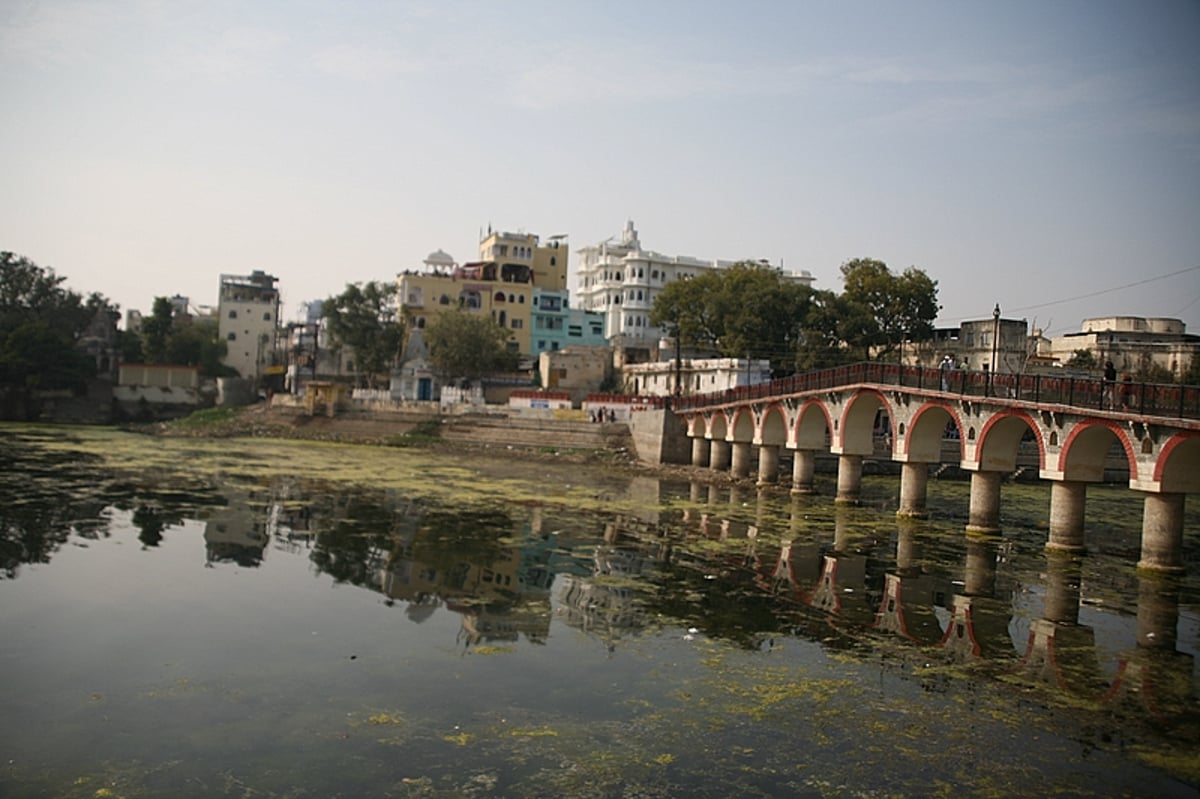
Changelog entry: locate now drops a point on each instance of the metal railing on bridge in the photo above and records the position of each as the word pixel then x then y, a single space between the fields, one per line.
pixel 1141 399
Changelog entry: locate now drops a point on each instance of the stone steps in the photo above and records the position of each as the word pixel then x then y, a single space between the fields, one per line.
pixel 540 433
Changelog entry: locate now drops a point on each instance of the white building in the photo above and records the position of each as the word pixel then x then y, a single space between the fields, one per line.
pixel 621 281
pixel 248 320
pixel 1132 343
pixel 696 376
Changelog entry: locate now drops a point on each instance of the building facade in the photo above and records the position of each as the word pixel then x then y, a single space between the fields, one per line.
pixel 501 285
pixel 1134 344
pixel 621 281
pixel 248 322
pixel 556 325
pixel 696 376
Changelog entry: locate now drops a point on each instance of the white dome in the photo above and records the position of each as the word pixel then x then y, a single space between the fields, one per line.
pixel 439 258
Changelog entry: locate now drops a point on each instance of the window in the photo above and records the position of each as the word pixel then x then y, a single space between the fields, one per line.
pixel 267 316
pixel 233 314
pixel 520 299
pixel 445 300
pixel 517 324
pixel 553 261
pixel 500 296
pixel 231 337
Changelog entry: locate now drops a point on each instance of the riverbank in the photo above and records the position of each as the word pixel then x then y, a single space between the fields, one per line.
pixel 494 435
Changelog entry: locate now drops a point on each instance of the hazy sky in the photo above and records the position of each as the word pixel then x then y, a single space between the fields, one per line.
pixel 1025 153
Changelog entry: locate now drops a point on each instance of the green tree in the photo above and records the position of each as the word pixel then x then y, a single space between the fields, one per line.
pixel 746 310
pixel 901 307
pixel 40 321
pixel 363 318
pixel 466 345
pixel 156 331
pixel 832 321
pixel 1082 359
pixel 199 343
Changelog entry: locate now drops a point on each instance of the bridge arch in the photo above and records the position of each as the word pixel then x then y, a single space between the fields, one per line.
pixel 742 428
pixel 773 428
pixel 718 426
pixel 856 431
pixel 1000 439
pixel 1177 469
pixel 922 440
pixel 813 426
pixel 1086 448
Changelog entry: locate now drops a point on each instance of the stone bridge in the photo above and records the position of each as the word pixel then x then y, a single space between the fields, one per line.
pixel 1073 424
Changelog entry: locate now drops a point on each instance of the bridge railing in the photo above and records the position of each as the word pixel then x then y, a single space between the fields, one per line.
pixel 1143 399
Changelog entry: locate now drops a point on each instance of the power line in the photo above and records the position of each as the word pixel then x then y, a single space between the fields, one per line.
pixel 1107 291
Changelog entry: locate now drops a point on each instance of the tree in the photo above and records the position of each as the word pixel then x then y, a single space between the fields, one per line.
pixel 40 322
pixel 1082 359
pixel 199 343
pixel 900 307
pixel 465 345
pixel 156 330
pixel 363 318
pixel 746 310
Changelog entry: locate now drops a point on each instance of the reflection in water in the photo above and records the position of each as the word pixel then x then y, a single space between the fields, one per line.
pixel 750 568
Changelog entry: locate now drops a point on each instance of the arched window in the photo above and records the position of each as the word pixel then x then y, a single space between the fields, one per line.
pixel 500 296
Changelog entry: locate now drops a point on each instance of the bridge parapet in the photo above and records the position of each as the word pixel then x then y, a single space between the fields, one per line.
pixel 1167 400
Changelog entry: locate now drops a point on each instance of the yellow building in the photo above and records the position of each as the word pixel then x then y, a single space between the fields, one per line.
pixel 500 284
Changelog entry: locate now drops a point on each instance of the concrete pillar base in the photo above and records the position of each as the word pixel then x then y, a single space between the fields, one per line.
pixel 849 481
pixel 804 466
pixel 984 515
pixel 914 477
pixel 719 455
pixel 1162 533
pixel 1068 499
pixel 768 464
pixel 740 465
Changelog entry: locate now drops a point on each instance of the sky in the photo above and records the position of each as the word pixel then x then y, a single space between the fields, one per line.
pixel 1042 156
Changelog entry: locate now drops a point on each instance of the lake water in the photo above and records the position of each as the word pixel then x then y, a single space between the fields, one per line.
pixel 249 618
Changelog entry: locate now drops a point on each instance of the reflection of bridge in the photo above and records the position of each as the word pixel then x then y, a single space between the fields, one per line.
pixel 1072 422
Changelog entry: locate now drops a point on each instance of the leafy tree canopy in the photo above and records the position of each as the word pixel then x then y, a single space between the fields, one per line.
pixel 899 307
pixel 747 310
pixel 466 345
pixel 40 321
pixel 364 318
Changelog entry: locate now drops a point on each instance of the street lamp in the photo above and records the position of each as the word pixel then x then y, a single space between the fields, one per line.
pixel 995 334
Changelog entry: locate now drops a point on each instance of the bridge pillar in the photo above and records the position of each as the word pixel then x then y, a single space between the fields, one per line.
pixel 984 513
pixel 719 455
pixel 1162 532
pixel 804 466
pixel 740 467
pixel 1067 501
pixel 849 481
pixel 700 451
pixel 768 464
pixel 914 477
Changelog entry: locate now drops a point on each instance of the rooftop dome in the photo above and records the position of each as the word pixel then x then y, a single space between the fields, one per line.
pixel 439 258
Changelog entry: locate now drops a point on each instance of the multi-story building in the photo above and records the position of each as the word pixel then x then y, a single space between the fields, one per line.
pixel 556 325
pixel 1132 343
pixel 501 284
pixel 621 280
pixel 248 320
pixel 978 344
